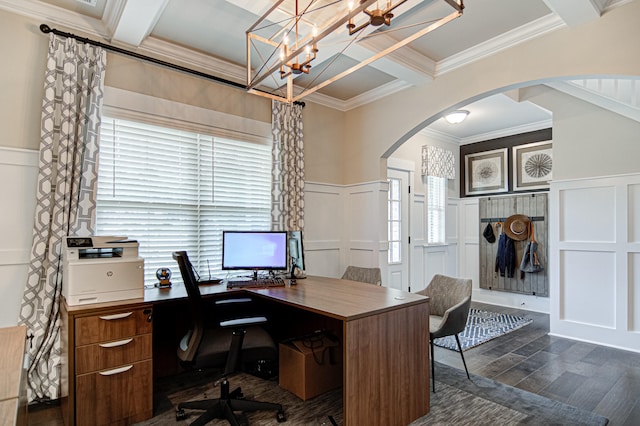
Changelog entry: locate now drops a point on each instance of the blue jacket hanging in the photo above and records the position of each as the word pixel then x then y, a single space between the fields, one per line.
pixel 506 257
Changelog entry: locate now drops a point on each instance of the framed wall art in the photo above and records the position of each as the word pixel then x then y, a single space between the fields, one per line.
pixel 532 166
pixel 486 172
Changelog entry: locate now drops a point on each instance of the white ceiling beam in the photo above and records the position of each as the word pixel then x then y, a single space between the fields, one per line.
pixel 134 20
pixel 404 64
pixel 575 12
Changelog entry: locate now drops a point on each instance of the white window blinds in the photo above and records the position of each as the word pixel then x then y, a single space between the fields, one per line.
pixel 436 209
pixel 178 190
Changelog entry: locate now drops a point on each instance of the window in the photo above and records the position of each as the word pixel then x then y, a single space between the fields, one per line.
pixel 436 205
pixel 178 190
pixel 395 220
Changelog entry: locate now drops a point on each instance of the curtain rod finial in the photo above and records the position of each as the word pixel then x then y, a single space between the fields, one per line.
pixel 45 28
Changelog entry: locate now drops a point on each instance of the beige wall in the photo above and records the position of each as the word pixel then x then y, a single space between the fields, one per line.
pixel 341 148
pixel 324 143
pixel 24 50
pixel 603 47
pixel 149 79
pixel 588 141
pixel 412 151
pixel 24 47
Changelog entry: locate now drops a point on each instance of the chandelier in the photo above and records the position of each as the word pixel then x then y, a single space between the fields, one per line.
pixel 377 16
pixel 293 36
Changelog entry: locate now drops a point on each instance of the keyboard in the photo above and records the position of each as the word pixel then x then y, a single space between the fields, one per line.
pixel 259 283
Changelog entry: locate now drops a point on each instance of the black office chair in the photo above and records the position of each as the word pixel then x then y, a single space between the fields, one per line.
pixel 230 343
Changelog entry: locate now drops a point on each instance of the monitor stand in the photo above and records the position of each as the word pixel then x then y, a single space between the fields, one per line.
pixel 293 276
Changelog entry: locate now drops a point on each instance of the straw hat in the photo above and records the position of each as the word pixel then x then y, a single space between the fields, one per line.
pixel 517 227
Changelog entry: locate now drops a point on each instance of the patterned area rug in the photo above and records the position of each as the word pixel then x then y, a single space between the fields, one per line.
pixel 483 326
pixel 457 400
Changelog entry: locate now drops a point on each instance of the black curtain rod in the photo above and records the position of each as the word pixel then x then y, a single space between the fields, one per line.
pixel 46 29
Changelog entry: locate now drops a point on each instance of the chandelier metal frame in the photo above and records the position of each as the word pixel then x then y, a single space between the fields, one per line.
pixel 287 64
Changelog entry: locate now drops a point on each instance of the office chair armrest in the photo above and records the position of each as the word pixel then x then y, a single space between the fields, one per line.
pixel 241 322
pixel 235 300
pixel 454 319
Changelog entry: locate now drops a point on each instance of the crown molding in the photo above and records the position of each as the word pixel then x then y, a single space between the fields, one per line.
pixel 151 46
pixel 510 131
pixel 612 4
pixel 439 136
pixel 359 100
pixel 112 13
pixel 156 46
pixel 502 42
pixel 56 15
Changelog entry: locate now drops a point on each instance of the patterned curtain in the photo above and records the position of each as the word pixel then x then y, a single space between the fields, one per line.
pixel 287 211
pixel 65 196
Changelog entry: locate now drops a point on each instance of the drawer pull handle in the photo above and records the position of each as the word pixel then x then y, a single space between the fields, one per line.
pixel 114 344
pixel 116 316
pixel 116 370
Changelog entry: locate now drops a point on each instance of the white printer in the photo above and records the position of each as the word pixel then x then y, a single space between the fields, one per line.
pixel 101 269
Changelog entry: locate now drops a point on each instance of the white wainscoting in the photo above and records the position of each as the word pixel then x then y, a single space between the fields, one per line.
pixel 324 213
pixel 18 172
pixel 343 226
pixel 595 260
pixel 347 225
pixel 418 234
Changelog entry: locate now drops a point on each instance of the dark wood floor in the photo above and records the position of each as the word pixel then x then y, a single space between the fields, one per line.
pixel 595 378
pixel 602 380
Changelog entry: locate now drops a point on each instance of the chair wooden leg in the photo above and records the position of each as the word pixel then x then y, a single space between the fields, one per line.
pixel 433 377
pixel 462 355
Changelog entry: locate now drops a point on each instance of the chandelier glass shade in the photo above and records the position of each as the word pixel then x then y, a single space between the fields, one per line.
pixel 294 36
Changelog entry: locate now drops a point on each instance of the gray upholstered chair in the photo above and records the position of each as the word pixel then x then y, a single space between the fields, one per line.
pixel 450 299
pixel 365 275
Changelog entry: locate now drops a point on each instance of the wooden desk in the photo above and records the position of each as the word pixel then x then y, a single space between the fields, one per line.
pixel 385 342
pixel 385 335
pixel 385 346
pixel 13 396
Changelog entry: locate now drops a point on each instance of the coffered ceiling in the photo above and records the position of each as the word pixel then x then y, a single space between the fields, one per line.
pixel 209 35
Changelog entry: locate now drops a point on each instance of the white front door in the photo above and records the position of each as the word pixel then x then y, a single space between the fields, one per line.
pixel 398 229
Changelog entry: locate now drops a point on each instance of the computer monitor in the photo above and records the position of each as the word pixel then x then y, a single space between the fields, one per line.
pixel 254 250
pixel 296 253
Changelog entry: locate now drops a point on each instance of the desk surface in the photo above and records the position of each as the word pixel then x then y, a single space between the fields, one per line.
pixel 13 398
pixel 336 298
pixel 376 321
pixel 11 360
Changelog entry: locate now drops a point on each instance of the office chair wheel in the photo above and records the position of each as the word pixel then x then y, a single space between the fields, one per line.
pixel 180 414
pixel 281 417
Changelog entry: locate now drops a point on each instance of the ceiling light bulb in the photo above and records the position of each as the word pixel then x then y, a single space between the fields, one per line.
pixel 457 116
pixel 350 5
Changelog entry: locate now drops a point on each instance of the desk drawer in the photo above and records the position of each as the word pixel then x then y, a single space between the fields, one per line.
pixel 114 325
pixel 100 356
pixel 119 396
